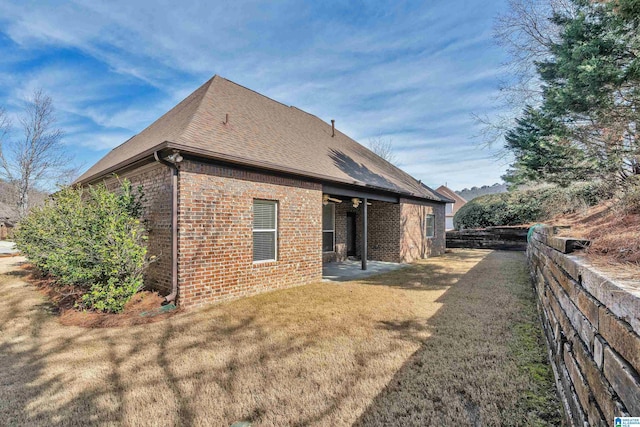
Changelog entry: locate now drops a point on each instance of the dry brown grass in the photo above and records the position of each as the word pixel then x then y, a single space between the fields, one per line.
pixel 440 333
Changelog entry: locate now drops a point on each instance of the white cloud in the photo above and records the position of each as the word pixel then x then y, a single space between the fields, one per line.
pixel 96 141
pixel 412 72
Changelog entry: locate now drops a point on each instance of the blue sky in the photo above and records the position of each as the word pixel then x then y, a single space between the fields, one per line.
pixel 411 72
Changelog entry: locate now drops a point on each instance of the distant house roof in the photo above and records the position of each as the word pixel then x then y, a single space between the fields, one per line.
pixel 260 133
pixel 458 201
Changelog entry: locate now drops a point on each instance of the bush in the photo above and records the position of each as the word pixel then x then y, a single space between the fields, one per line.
pixel 92 239
pixel 526 206
pixel 629 195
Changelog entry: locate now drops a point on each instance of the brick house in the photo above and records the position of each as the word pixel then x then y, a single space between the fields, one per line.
pixel 245 195
pixel 6 229
pixel 6 221
pixel 455 203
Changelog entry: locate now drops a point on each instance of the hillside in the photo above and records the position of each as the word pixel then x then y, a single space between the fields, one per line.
pixel 471 193
pixel 614 236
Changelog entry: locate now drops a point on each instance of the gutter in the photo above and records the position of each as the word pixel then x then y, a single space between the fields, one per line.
pixel 173 165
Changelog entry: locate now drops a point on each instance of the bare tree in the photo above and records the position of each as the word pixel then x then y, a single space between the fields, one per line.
pixel 526 31
pixel 383 148
pixel 5 126
pixel 38 155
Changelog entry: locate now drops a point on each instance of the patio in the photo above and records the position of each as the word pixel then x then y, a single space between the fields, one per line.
pixel 352 269
pixel 7 248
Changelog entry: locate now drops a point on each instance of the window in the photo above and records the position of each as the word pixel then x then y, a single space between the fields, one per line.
pixel 430 225
pixel 328 227
pixel 265 230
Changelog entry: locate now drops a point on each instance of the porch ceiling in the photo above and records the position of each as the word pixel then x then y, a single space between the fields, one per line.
pixel 348 192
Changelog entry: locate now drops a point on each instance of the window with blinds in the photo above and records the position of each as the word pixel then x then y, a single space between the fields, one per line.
pixel 328 227
pixel 265 230
pixel 430 221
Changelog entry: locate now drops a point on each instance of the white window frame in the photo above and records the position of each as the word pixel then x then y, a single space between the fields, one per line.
pixel 266 230
pixel 433 228
pixel 333 210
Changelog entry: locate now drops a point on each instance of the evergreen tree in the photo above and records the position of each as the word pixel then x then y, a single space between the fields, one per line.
pixel 541 150
pixel 586 126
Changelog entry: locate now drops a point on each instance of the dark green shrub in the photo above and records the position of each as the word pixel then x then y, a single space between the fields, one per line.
pixel 526 206
pixel 92 239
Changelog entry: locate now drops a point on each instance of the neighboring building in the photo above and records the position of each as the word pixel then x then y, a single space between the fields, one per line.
pixel 6 229
pixel 6 222
pixel 451 208
pixel 259 194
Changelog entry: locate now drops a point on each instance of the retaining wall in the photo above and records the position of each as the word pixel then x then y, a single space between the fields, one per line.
pixel 503 238
pixel 592 326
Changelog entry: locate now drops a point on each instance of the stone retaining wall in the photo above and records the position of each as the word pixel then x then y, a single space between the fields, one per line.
pixel 503 238
pixel 592 326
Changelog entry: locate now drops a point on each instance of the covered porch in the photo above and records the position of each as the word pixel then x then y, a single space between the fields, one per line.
pixel 359 228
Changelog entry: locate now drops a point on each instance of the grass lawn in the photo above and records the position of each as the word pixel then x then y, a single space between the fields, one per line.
pixel 447 341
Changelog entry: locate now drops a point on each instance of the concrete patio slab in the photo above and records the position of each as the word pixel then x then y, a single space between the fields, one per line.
pixel 352 270
pixel 7 248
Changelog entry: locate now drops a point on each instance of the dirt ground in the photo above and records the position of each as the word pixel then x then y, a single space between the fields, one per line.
pixel 452 340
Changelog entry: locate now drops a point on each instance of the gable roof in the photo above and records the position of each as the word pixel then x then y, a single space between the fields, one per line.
pixel 458 200
pixel 262 133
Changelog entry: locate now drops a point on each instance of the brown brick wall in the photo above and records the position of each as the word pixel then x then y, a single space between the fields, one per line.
pixel 215 254
pixel 592 326
pixel 6 232
pixel 414 244
pixel 384 232
pixel 215 231
pixel 155 180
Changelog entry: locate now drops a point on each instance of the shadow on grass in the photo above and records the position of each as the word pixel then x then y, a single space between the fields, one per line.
pixel 236 362
pixel 466 372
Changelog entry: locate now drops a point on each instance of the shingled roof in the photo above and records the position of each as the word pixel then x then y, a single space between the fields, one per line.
pixel 453 196
pixel 261 133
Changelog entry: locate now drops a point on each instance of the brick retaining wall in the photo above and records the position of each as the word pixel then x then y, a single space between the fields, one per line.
pixel 592 326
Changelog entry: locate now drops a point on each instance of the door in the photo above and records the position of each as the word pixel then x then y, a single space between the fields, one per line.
pixel 351 234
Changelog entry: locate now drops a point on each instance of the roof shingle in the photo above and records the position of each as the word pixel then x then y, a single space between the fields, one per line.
pixel 263 132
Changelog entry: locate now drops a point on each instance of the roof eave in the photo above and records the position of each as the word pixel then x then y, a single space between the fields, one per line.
pixel 121 165
pixel 212 155
pixel 444 198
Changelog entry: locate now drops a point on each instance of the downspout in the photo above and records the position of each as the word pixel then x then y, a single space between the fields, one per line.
pixel 174 223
